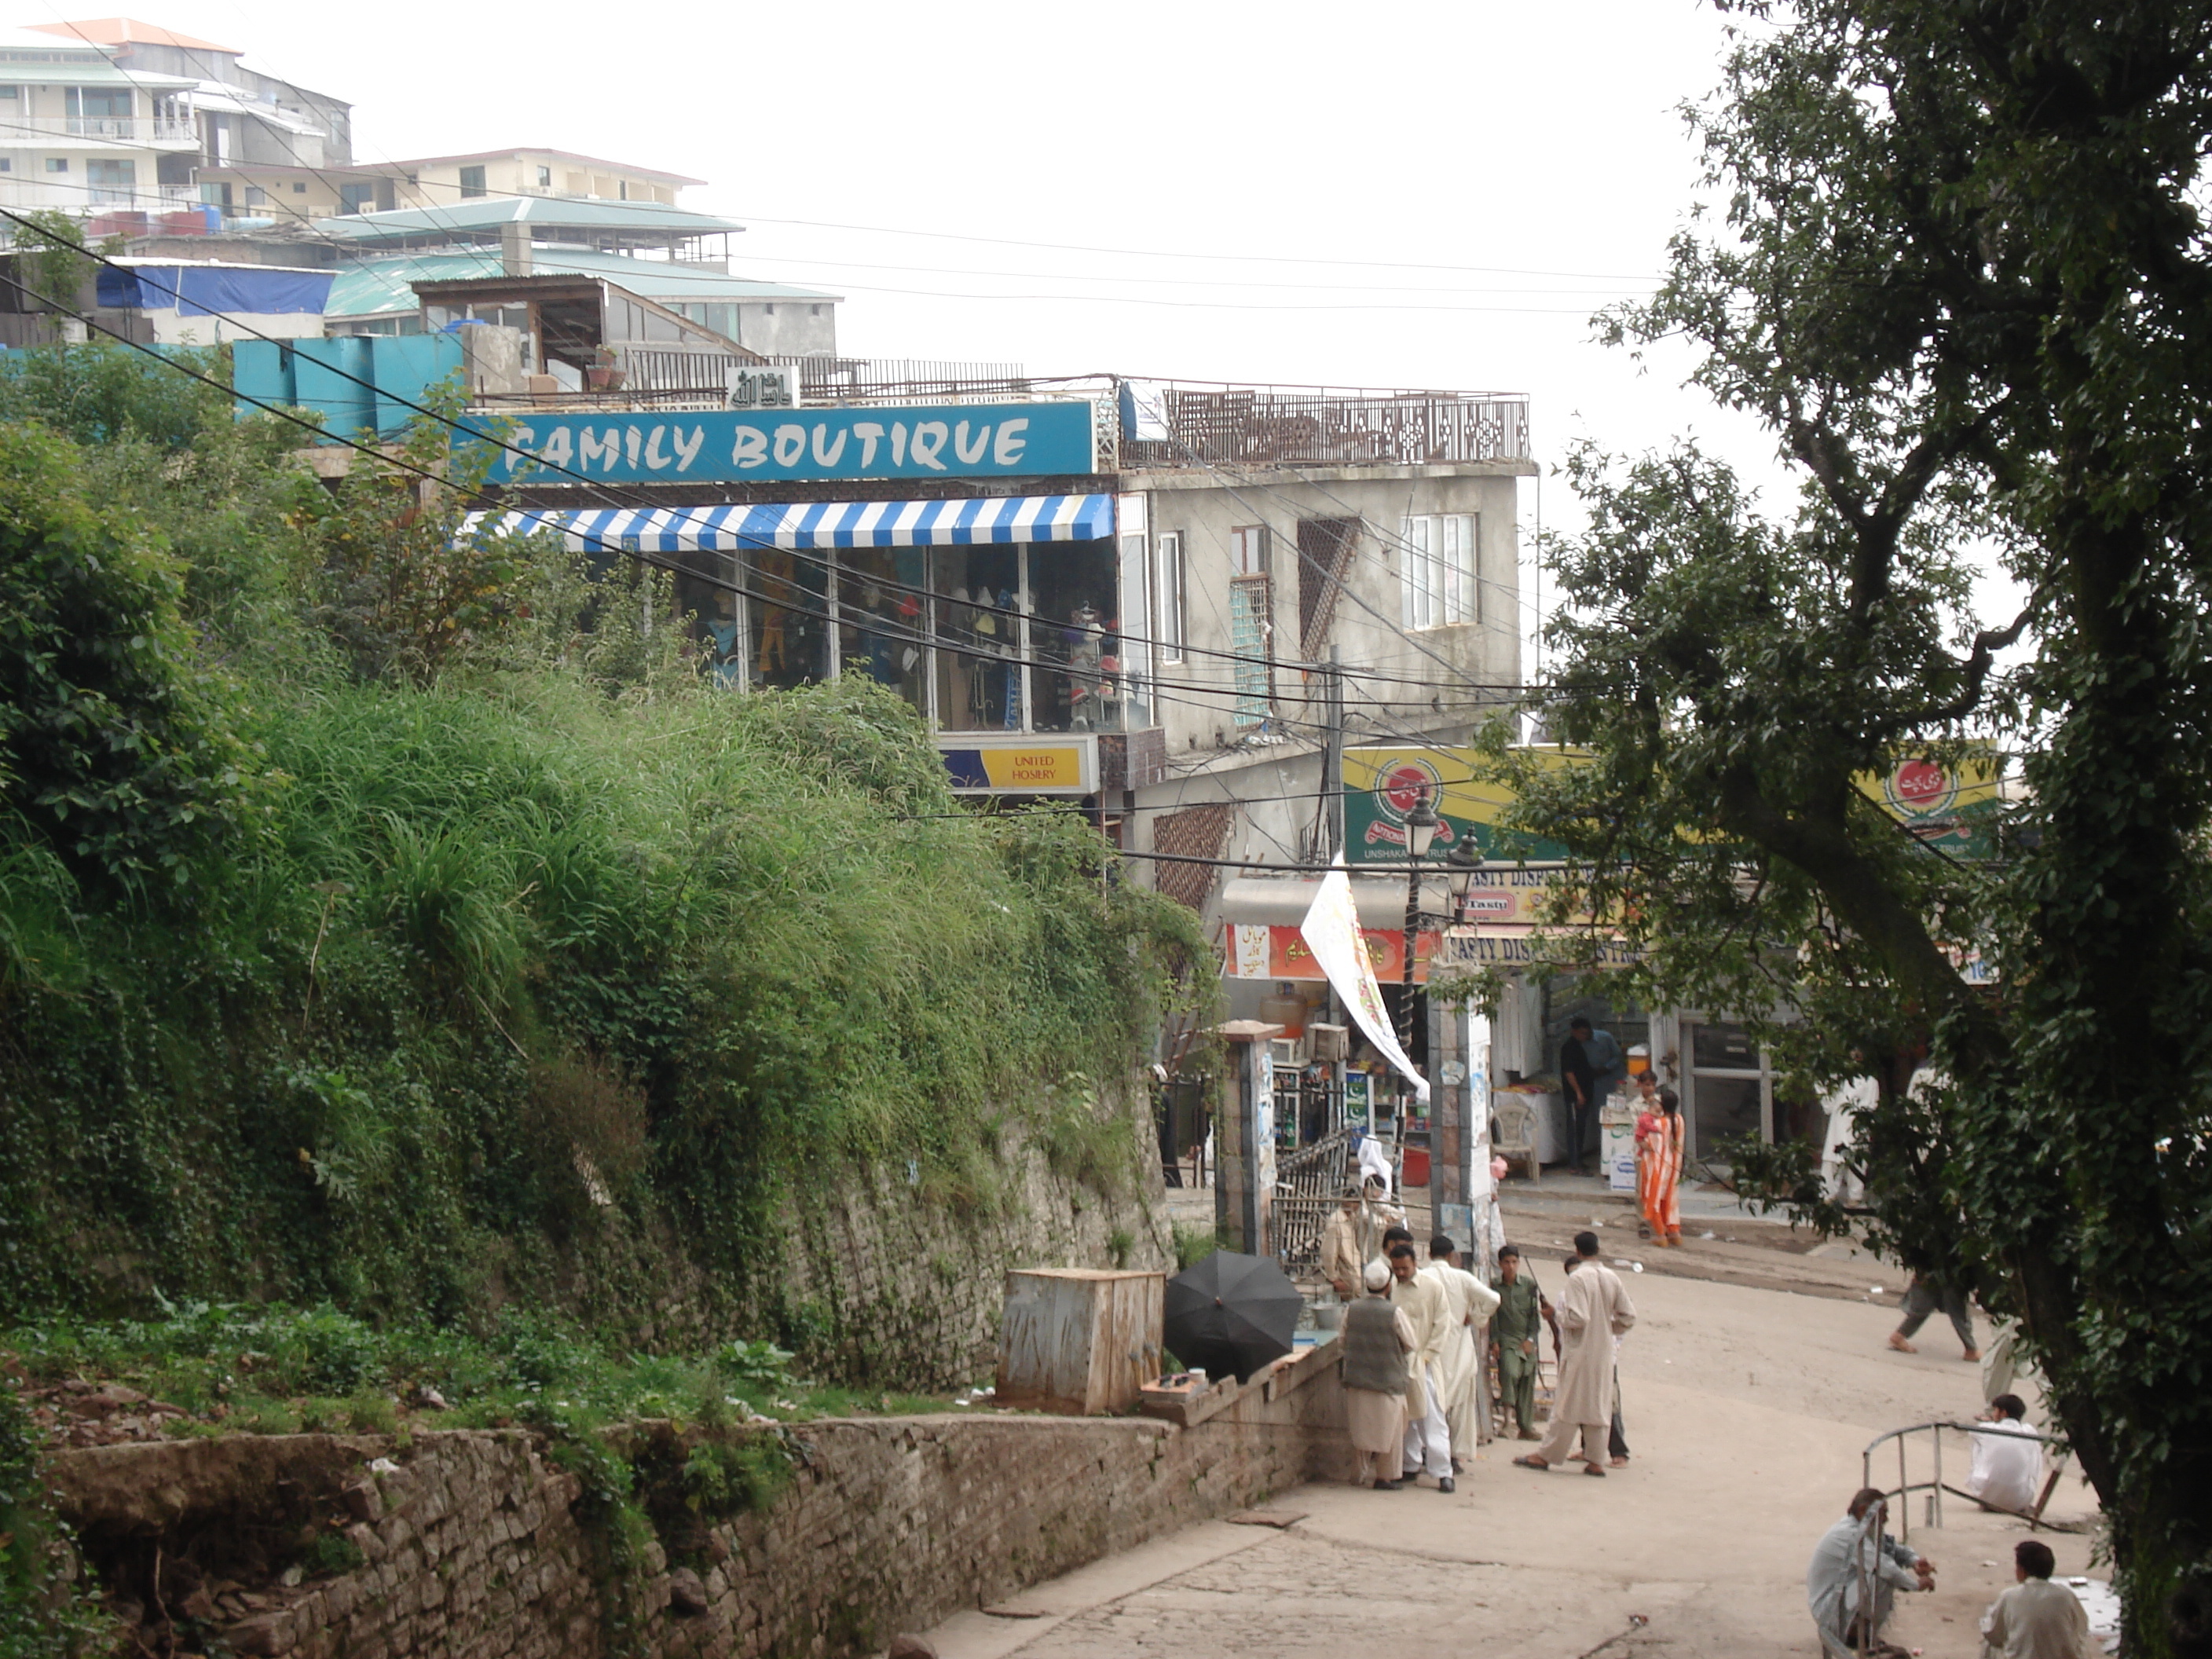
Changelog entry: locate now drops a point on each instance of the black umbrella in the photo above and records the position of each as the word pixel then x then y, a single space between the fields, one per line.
pixel 1231 1314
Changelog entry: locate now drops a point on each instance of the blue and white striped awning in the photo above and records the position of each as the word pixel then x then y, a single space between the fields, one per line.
pixel 815 524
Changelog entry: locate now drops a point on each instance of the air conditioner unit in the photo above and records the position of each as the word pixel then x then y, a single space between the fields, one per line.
pixel 762 386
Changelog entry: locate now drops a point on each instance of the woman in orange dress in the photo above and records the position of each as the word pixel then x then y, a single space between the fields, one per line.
pixel 1659 1167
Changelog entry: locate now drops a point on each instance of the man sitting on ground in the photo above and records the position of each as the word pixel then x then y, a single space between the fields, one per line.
pixel 2035 1618
pixel 1856 1547
pixel 2008 1461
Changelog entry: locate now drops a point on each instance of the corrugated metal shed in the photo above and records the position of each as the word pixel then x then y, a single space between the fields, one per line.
pixel 485 215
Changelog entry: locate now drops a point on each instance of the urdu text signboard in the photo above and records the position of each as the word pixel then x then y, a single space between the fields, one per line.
pixel 925 440
pixel 1950 808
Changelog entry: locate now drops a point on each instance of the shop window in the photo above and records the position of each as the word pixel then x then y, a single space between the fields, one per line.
pixel 1729 1087
pixel 1076 636
pixel 883 628
pixel 1436 570
pixel 472 181
pixel 714 616
pixel 976 593
pixel 788 632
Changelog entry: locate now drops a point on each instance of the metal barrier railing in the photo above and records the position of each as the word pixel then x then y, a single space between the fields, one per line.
pixel 1935 1486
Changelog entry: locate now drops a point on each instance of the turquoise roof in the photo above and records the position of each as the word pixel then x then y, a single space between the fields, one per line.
pixel 485 213
pixel 378 288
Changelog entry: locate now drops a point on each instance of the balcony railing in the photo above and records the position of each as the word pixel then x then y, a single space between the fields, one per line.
pixel 182 131
pixel 1266 427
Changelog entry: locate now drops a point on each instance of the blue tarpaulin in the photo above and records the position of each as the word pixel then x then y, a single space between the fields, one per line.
pixel 206 290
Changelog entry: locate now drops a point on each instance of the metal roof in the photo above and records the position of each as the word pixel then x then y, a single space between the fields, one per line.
pixel 38 59
pixel 487 213
pixel 130 32
pixel 379 288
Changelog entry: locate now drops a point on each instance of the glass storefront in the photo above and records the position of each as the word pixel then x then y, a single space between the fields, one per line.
pixel 989 637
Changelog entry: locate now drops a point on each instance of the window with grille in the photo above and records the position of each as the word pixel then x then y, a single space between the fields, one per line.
pixel 1436 570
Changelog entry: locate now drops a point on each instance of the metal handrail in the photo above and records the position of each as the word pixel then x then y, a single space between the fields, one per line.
pixel 1933 1485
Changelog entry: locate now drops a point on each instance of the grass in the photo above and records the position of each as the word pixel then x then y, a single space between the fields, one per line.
pixel 261 1370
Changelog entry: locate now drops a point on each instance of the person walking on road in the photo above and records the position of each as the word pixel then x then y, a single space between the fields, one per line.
pixel 1428 1435
pixel 2035 1618
pixel 1517 1327
pixel 1659 1168
pixel 1593 1310
pixel 1924 1296
pixel 1468 1302
pixel 1377 1344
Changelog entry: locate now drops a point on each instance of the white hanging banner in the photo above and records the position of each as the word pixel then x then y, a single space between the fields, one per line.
pixel 1331 930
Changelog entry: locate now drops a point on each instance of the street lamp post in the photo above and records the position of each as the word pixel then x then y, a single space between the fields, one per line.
pixel 1421 826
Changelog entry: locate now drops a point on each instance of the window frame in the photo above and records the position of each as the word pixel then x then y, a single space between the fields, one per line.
pixel 1170 600
pixel 472 188
pixel 1440 585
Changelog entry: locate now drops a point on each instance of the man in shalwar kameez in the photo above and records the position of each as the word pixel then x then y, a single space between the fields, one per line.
pixel 1593 1310
pixel 1377 1342
pixel 1469 1301
pixel 1428 1311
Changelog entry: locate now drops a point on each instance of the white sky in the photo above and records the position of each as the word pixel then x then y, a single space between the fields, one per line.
pixel 1534 150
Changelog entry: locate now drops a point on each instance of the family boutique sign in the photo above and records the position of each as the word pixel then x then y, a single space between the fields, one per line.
pixel 949 440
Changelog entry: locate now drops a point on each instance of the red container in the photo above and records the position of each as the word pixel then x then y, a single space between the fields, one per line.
pixel 1414 1171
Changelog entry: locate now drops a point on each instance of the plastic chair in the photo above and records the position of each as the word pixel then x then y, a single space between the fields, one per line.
pixel 1514 1139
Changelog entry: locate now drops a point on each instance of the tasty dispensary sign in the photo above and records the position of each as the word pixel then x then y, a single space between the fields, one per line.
pixel 948 441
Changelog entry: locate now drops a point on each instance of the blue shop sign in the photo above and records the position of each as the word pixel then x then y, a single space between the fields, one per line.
pixel 930 440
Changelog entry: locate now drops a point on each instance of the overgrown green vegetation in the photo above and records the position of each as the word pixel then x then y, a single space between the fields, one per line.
pixel 421 935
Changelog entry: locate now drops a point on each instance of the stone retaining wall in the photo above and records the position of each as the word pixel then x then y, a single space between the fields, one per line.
pixel 476 1545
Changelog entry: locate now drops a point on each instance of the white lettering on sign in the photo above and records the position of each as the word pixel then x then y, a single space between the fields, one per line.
pixel 790 445
pixel 687 454
pixel 654 457
pixel 869 432
pixel 833 454
pixel 929 438
pixel 558 452
pixel 636 442
pixel 898 443
pixel 969 456
pixel 1011 442
pixel 751 449
pixel 605 447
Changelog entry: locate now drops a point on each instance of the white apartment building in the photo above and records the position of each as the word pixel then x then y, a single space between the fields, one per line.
pixel 81 134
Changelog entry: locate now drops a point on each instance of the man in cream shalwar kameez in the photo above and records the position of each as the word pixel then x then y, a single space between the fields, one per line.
pixel 1593 1310
pixel 1428 1310
pixel 1469 1301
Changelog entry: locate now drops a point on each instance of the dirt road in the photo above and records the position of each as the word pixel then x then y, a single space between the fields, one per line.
pixel 1746 1409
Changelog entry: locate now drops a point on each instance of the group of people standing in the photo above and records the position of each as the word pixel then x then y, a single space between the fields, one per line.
pixel 1411 1367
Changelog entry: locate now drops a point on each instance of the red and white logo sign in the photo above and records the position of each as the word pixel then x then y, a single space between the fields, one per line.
pixel 1920 788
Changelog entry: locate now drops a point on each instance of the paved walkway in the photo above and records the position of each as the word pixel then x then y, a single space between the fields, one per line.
pixel 1746 1409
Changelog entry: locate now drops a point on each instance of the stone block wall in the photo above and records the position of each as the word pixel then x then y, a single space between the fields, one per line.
pixel 475 1546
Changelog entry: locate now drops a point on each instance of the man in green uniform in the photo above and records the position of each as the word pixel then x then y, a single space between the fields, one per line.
pixel 1517 1326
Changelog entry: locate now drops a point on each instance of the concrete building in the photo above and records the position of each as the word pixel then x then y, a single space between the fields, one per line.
pixel 260 146
pixel 441 180
pixel 80 133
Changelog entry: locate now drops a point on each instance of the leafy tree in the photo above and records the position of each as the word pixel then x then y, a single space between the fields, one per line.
pixel 1961 272
pixel 403 591
pixel 114 744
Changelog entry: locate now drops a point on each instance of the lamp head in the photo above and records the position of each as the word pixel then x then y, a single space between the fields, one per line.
pixel 1421 826
pixel 1460 866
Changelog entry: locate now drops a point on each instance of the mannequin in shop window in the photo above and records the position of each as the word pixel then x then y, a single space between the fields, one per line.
pixel 722 628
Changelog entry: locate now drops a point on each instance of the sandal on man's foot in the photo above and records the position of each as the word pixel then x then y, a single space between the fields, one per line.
pixel 1531 1461
pixel 1592 1468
